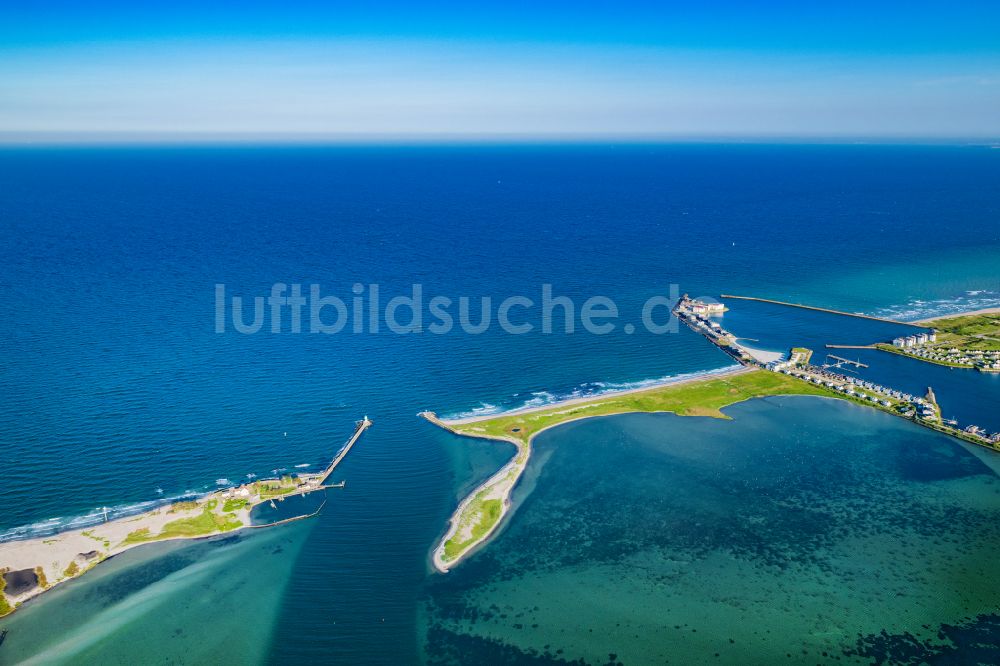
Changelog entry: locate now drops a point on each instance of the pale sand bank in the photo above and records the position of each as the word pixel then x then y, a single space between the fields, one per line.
pixel 956 314
pixel 669 381
pixel 66 555
pixel 501 484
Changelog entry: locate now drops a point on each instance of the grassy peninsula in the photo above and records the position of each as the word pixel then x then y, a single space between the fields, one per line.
pixel 966 341
pixel 703 397
pixel 479 515
pixel 45 562
pixel 206 520
pixel 968 332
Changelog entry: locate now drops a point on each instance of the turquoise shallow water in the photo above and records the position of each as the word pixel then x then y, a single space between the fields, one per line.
pixel 116 387
pixel 210 601
pixel 803 531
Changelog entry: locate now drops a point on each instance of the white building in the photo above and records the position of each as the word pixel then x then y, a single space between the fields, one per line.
pixel 702 308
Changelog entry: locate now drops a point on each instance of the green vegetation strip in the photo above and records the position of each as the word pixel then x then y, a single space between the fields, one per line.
pixel 4 606
pixel 698 398
pixel 805 355
pixel 486 513
pixel 205 523
pixel 90 535
pixel 233 505
pixel 272 489
pixel 968 332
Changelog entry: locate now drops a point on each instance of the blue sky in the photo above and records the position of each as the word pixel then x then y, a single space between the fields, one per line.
pixel 447 69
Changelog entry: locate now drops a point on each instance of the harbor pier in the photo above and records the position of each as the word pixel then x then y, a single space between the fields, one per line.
pixel 818 309
pixel 359 428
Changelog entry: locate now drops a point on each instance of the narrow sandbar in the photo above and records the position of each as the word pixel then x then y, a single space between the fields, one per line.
pixel 480 514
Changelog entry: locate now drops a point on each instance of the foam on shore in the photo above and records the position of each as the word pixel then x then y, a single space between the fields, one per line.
pixel 919 310
pixel 586 390
pixel 96 516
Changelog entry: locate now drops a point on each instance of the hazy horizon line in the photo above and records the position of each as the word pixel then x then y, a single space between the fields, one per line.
pixel 10 139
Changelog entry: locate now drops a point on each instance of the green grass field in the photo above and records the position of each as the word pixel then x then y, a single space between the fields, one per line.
pixel 700 398
pixel 486 513
pixel 233 504
pixel 4 606
pixel 271 489
pixel 972 332
pixel 205 523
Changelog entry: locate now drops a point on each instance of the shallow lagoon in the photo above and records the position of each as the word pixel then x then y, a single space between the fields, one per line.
pixel 120 387
pixel 206 601
pixel 803 531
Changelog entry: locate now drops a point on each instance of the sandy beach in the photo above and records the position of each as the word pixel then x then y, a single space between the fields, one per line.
pixel 40 563
pixel 501 484
pixel 956 314
pixel 670 381
pixel 66 555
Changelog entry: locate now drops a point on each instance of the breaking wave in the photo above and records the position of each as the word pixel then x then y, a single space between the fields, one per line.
pixel 978 299
pixel 585 390
pixel 95 516
pixel 98 515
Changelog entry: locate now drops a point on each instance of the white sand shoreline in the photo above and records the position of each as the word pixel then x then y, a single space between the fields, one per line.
pixel 966 313
pixel 669 381
pixel 68 554
pixel 501 484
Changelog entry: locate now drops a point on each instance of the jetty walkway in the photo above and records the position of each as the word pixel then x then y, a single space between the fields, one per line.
pixel 818 309
pixel 359 428
pixel 52 556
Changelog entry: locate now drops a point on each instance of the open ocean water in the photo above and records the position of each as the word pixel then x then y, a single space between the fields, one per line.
pixel 837 529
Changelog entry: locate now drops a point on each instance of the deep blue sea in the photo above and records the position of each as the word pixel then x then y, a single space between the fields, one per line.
pixel 118 392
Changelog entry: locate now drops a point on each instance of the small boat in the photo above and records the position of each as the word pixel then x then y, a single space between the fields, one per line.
pixel 3 636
